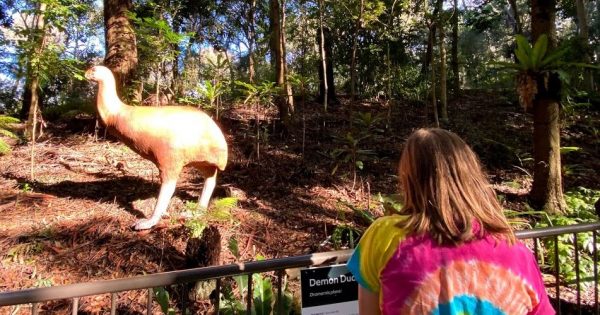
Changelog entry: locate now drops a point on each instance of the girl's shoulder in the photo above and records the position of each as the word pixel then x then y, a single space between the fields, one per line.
pixel 386 227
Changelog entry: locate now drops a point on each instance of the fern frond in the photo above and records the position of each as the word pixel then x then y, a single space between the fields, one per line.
pixel 6 121
pixel 227 203
pixel 4 147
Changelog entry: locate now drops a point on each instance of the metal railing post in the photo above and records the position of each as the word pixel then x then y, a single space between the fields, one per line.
pixel 75 306
pixel 113 303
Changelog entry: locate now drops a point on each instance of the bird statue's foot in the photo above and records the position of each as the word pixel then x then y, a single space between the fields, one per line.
pixel 144 224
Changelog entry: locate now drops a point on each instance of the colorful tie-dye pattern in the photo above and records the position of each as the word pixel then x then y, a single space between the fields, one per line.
pixel 415 275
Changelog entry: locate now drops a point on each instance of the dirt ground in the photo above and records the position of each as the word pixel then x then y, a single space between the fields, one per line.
pixel 72 223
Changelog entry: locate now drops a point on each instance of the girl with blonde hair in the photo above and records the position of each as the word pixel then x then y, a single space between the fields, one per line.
pixel 450 250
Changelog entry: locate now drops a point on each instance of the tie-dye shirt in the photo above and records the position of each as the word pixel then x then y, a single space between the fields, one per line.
pixel 415 275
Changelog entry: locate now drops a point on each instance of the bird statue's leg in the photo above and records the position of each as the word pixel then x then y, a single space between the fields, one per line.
pixel 210 182
pixel 167 189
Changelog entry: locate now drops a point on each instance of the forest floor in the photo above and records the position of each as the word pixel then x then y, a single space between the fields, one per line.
pixel 73 222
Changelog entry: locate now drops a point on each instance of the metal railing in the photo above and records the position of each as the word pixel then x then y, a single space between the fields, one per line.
pixel 278 265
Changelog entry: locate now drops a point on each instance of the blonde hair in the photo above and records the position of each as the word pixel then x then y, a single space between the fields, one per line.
pixel 446 190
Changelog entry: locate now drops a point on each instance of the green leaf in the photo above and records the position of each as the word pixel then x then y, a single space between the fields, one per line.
pixel 233 247
pixel 162 298
pixel 523 44
pixel 359 165
pixel 523 59
pixel 539 50
pixel 564 150
pixel 523 51
pixel 227 203
pixel 263 295
pixel 552 56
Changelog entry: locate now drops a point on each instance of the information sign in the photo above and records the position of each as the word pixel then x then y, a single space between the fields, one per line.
pixel 330 290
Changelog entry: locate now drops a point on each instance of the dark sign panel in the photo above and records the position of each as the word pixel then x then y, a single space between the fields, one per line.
pixel 329 290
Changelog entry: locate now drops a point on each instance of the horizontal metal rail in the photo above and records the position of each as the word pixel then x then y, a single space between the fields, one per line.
pixel 169 278
pixel 77 290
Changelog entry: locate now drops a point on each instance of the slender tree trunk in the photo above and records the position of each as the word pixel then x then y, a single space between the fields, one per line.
pixel 517 28
pixel 433 85
pixel 322 71
pixel 546 190
pixel 251 40
pixel 285 101
pixel 430 37
pixel 26 98
pixel 326 67
pixel 584 37
pixel 353 74
pixel 443 71
pixel 121 49
pixel 289 97
pixel 454 52
pixel 34 74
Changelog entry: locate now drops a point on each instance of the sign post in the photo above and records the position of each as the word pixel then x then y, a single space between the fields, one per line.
pixel 330 290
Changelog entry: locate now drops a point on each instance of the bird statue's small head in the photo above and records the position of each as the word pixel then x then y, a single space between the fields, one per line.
pixel 98 73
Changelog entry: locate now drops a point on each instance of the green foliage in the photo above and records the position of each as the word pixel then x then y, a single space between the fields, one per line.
pixel 6 123
pixel 21 253
pixel 392 204
pixel 344 236
pixel 262 94
pixel 43 58
pixel 201 218
pixel 210 92
pixel 350 148
pixel 264 301
pixel 580 203
pixel 349 152
pixel 161 296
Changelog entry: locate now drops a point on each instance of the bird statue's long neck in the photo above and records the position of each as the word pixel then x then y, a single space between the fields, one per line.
pixel 109 104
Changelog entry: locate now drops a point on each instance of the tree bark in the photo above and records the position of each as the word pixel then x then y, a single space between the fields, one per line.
pixel 583 27
pixel 517 28
pixel 454 52
pixel 323 75
pixel 433 83
pixel 33 73
pixel 251 40
pixel 326 82
pixel 289 94
pixel 285 101
pixel 353 74
pixel 443 71
pixel 546 192
pixel 121 49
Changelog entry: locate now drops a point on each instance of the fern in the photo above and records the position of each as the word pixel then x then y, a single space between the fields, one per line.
pixel 6 123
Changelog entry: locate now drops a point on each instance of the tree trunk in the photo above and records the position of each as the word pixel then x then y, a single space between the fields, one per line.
pixel 358 27
pixel 430 37
pixel 326 82
pixel 582 25
pixel 546 190
pixel 26 98
pixel 517 28
pixel 285 101
pixel 33 74
pixel 289 97
pixel 454 52
pixel 251 40
pixel 121 49
pixel 433 84
pixel 443 72
pixel 323 74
